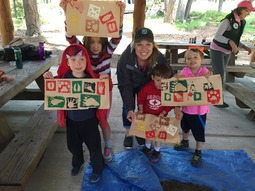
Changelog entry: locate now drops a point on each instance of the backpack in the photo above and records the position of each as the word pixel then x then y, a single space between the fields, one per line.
pixel 28 51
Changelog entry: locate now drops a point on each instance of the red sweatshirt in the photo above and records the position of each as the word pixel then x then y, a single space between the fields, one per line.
pixel 150 98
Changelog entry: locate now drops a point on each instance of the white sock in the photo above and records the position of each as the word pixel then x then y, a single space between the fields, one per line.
pixel 148 145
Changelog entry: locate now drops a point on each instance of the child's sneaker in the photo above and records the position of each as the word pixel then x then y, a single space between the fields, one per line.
pixel 140 141
pixel 76 170
pixel 184 144
pixel 128 142
pixel 197 160
pixel 146 150
pixel 155 156
pixel 108 154
pixel 93 178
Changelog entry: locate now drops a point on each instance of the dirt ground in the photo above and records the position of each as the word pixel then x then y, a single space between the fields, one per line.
pixel 179 186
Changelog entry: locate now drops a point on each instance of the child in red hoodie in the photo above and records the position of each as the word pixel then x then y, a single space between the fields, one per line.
pixel 81 125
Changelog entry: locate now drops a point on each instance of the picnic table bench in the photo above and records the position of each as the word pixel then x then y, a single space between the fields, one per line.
pixel 22 155
pixel 244 93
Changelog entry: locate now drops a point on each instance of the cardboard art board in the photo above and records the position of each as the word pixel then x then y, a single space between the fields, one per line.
pixel 192 91
pixel 93 18
pixel 75 94
pixel 151 127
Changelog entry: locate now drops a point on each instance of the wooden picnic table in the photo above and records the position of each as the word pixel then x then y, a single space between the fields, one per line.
pixel 173 49
pixel 32 71
pixel 21 152
pixel 176 50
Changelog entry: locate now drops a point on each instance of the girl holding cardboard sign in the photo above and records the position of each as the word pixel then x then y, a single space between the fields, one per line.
pixel 194 117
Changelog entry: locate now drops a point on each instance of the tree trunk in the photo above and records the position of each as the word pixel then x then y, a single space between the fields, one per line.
pixel 32 17
pixel 138 15
pixel 181 9
pixel 14 8
pixel 6 23
pixel 170 11
pixel 220 6
pixel 187 9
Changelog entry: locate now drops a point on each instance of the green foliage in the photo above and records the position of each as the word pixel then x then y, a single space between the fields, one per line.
pixel 208 15
pixel 19 23
pixel 199 20
pixel 17 9
pixel 250 25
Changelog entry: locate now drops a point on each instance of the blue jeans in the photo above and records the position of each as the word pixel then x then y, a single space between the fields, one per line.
pixel 126 122
pixel 219 62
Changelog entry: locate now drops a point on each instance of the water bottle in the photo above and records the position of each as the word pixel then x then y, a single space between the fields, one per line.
pixel 18 58
pixel 41 50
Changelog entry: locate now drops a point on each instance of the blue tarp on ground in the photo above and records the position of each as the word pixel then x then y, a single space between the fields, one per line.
pixel 132 171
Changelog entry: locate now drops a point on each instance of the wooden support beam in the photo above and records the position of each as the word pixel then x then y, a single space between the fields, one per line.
pixel 138 15
pixel 6 23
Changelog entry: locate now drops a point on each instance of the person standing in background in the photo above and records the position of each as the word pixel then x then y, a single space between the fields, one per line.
pixel 227 39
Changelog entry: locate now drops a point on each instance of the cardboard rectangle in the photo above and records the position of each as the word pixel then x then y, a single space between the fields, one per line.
pixel 93 18
pixel 162 129
pixel 75 94
pixel 192 91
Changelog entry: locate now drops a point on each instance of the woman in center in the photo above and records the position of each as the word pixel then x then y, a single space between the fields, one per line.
pixel 133 72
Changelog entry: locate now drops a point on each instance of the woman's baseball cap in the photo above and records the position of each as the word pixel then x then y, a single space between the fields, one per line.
pixel 144 34
pixel 246 4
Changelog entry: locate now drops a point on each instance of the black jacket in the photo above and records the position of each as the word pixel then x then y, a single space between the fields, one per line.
pixel 234 34
pixel 130 78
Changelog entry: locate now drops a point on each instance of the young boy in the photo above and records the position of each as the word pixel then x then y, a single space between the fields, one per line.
pixel 149 101
pixel 194 117
pixel 81 125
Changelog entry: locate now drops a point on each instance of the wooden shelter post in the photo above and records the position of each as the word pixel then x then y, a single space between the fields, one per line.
pixel 138 15
pixel 6 23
